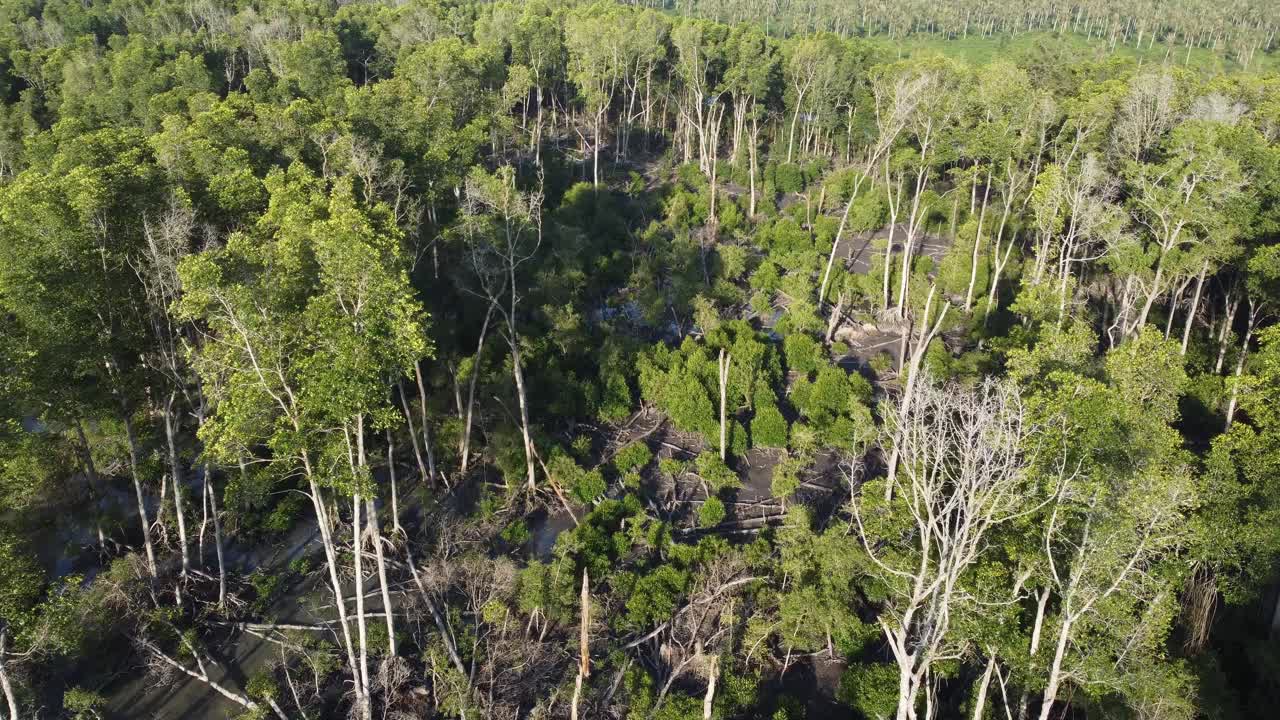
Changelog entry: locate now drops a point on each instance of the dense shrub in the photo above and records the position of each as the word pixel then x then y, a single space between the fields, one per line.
pixel 768 427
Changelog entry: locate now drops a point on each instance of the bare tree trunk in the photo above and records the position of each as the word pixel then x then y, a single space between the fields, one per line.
pixel 217 534
pixel 1124 306
pixel 426 426
pixel 980 701
pixel 362 675
pixel 844 219
pixel 888 267
pixel 834 321
pixel 91 475
pixel 906 689
pixel 10 699
pixel 204 523
pixel 1151 297
pixel 927 685
pixel 577 696
pixel 1229 314
pixel 714 121
pixel 238 698
pixel 1175 297
pixel 332 561
pixel 755 140
pixel 715 166
pixel 724 361
pixel 708 700
pixel 382 578
pixel 1244 352
pixel 395 490
pixel 179 510
pixel 325 525
pixel 904 282
pixel 894 198
pixel 1038 626
pixel 471 392
pixel 518 370
pixel 1055 671
pixel 450 645
pixel 922 343
pixel 1195 307
pixel 212 497
pixel 795 116
pixel 535 138
pixel 413 433
pixel 1000 261
pixel 739 126
pixel 595 151
pixel 977 245
pixel 137 489
pixel 584 654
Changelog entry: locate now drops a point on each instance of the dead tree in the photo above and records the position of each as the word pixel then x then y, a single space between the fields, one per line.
pixel 503 228
pixel 686 642
pixel 912 369
pixel 724 361
pixel 584 655
pixel 963 471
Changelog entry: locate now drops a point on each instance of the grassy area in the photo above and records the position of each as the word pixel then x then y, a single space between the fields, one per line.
pixel 980 51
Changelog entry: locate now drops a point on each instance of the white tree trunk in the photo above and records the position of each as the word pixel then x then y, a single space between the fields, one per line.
pixel 577 696
pixel 904 280
pixel 362 676
pixel 178 507
pixel 755 140
pixel 1156 283
pixel 1039 621
pixel 584 656
pixel 395 489
pixel 595 151
pixel 211 496
pixel 518 370
pixel 708 700
pixel 471 392
pixel 217 535
pixel 906 703
pixel 137 489
pixel 1055 670
pixel 795 116
pixel 888 263
pixel 382 579
pixel 834 321
pixel 91 474
pixel 450 645
pixel 10 699
pixel 331 561
pixel 917 355
pixel 724 361
pixel 977 245
pixel 413 433
pixel 238 698
pixel 1195 306
pixel 1000 260
pixel 831 259
pixel 894 198
pixel 980 701
pixel 1244 353
pixel 1228 318
pixel 426 426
